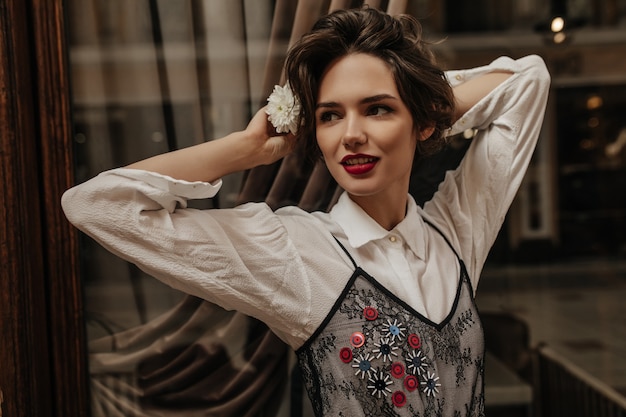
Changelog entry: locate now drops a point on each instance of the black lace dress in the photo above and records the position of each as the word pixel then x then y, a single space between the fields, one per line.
pixel 376 356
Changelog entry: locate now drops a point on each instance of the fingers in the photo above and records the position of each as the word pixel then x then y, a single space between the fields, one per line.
pixel 269 143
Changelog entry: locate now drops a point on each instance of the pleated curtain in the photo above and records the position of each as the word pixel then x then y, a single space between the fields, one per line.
pixel 150 76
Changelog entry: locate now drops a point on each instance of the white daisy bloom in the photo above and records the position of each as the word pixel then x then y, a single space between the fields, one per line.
pixel 283 109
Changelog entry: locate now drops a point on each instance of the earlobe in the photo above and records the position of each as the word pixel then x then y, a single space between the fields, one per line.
pixel 426 132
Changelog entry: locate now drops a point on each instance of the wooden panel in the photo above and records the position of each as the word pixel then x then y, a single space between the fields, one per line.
pixel 22 296
pixel 40 312
pixel 59 241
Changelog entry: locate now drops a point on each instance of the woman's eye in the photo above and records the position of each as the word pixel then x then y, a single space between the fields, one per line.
pixel 379 110
pixel 328 117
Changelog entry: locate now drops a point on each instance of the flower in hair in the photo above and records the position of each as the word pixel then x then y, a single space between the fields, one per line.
pixel 283 109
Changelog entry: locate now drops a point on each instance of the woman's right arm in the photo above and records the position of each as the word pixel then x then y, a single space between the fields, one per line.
pixel 233 257
pixel 215 159
pixel 241 258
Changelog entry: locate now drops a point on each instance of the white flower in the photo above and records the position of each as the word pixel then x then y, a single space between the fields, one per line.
pixel 283 109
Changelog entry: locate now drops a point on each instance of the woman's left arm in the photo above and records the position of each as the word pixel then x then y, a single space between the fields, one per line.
pixel 504 104
pixel 469 93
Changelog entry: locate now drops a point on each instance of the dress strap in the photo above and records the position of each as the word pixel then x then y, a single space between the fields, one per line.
pixel 444 237
pixel 346 251
pixel 463 267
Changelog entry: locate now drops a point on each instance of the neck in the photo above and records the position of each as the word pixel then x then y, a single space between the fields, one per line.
pixel 387 211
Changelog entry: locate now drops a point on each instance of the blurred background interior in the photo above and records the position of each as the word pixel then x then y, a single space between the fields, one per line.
pixel 148 76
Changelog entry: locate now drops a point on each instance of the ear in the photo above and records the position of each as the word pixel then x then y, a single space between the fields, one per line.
pixel 425 133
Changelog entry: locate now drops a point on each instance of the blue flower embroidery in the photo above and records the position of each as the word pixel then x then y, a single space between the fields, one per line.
pixel 394 330
pixel 363 365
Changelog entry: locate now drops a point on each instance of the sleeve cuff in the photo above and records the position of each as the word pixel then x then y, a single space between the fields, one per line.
pixel 190 190
pixel 456 77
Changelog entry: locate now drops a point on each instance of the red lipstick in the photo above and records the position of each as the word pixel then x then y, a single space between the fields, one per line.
pixel 358 164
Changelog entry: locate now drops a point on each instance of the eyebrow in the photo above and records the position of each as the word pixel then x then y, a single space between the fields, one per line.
pixel 366 100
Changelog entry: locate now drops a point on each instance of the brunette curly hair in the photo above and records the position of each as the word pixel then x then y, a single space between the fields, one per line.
pixel 397 40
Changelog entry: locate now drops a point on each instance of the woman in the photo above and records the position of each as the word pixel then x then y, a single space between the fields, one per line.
pixel 376 297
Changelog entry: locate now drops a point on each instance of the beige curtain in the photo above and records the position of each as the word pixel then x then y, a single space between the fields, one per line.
pixel 150 76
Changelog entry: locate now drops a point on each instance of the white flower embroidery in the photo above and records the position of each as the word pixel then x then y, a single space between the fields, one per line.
pixel 417 362
pixel 283 109
pixel 378 384
pixel 363 365
pixel 385 349
pixel 394 329
pixel 431 385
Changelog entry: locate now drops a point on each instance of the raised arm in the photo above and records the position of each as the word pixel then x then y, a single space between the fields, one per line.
pixel 470 92
pixel 209 161
pixel 504 103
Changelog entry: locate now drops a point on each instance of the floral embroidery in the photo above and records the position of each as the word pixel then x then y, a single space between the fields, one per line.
pixel 431 384
pixel 394 330
pixel 397 370
pixel 414 341
pixel 398 398
pixel 397 359
pixel 370 313
pixel 378 384
pixel 357 339
pixel 411 383
pixel 363 365
pixel 385 349
pixel 345 354
pixel 417 363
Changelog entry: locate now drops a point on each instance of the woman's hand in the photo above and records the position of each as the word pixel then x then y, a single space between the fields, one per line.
pixel 271 146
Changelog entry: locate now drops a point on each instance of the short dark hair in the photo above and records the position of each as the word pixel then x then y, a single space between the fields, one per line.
pixel 397 40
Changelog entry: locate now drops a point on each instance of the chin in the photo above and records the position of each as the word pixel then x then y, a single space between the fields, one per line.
pixel 362 191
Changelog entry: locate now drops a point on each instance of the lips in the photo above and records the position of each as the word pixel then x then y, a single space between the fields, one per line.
pixel 358 164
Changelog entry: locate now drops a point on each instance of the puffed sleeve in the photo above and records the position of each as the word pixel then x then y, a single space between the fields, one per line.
pixel 472 201
pixel 240 258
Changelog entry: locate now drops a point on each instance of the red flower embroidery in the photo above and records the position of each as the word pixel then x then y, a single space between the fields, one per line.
pixel 397 370
pixel 370 313
pixel 414 341
pixel 357 339
pixel 345 354
pixel 411 383
pixel 398 398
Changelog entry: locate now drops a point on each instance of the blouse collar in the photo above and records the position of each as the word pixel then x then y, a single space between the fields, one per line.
pixel 361 229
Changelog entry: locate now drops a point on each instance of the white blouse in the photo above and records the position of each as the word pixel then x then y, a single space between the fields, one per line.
pixel 285 267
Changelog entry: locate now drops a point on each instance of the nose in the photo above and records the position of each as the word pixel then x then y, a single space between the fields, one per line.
pixel 354 133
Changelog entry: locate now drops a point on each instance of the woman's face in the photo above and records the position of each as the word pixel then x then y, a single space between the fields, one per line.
pixel 363 128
